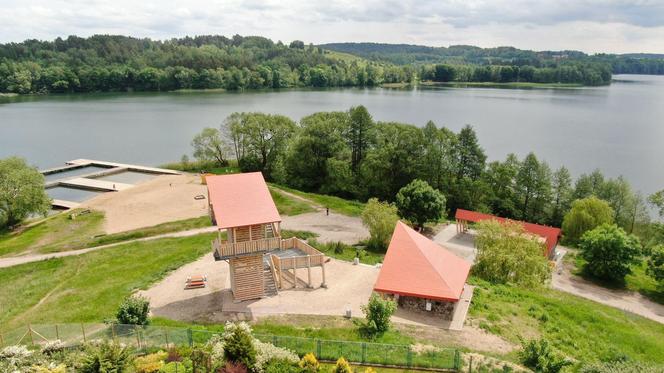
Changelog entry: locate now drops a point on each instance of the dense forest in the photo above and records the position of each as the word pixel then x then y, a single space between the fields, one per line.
pixel 348 154
pixel 119 63
pixel 401 54
pixel 104 63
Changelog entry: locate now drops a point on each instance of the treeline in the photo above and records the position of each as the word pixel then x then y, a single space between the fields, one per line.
pixel 103 63
pixel 591 74
pixel 402 54
pixel 350 155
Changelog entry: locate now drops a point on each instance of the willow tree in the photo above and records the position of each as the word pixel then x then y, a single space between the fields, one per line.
pixel 506 253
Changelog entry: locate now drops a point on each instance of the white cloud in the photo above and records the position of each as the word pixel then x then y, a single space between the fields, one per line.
pixel 588 25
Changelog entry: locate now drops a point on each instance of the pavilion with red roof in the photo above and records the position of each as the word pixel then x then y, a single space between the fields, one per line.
pixel 420 274
pixel 549 235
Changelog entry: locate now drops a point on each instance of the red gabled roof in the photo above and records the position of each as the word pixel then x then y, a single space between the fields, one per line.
pixel 241 199
pixel 550 234
pixel 416 266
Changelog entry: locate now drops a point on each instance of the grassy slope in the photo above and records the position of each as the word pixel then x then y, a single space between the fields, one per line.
pixel 580 328
pixel 60 233
pixel 289 206
pixel 336 204
pixel 57 233
pixel 89 288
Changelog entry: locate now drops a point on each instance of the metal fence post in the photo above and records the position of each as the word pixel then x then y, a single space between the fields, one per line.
pixel 470 368
pixel 190 336
pixel 113 332
pixel 57 333
pixel 457 360
pixel 409 357
pixel 364 352
pixel 319 348
pixel 83 330
pixel 138 338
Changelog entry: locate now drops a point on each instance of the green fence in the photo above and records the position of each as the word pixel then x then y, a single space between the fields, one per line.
pixel 144 337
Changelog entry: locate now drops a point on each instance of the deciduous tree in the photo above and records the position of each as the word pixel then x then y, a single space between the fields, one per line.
pixel 586 214
pixel 21 192
pixel 609 252
pixel 419 203
pixel 380 218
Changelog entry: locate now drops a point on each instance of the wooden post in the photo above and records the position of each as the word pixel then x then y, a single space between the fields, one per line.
pixel 83 330
pixel 309 269
pixel 57 333
pixel 294 275
pixel 138 338
pixel 166 336
pixel 322 267
pixel 32 339
pixel 113 332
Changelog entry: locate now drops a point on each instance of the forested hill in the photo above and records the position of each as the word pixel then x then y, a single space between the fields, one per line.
pixel 121 63
pixel 635 63
pixel 104 63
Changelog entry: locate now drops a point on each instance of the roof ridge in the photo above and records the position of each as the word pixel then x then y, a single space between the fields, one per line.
pixel 428 259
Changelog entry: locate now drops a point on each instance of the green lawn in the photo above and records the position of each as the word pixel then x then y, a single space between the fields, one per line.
pixel 289 206
pixel 347 252
pixel 580 328
pixel 336 204
pixel 61 233
pixel 89 287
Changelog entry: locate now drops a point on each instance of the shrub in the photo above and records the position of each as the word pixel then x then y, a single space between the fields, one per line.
pixel 177 367
pixel 419 203
pixel 538 355
pixel 53 347
pixel 106 357
pixel 266 352
pixel 379 218
pixel 52 368
pixel 342 366
pixel 378 312
pixel 134 310
pixel 656 264
pixel 281 366
pixel 173 355
pixel 609 252
pixel 370 370
pixel 309 363
pixel 14 358
pixel 150 363
pixel 238 344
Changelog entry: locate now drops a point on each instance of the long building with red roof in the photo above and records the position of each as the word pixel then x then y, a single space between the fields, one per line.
pixel 550 235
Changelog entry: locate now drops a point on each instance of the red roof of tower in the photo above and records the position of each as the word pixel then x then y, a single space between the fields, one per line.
pixel 416 266
pixel 550 234
pixel 241 199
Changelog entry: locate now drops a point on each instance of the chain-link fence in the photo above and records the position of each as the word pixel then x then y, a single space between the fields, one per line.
pixel 143 337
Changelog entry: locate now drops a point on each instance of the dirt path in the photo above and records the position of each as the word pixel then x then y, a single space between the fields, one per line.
pixel 17 260
pixel 629 301
pixel 309 202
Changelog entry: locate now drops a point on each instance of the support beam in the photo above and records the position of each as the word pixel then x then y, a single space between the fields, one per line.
pixel 309 270
pixel 322 267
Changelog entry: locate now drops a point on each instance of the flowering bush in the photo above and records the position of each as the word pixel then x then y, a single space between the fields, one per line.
pixel 15 352
pixel 53 347
pixel 266 352
pixel 342 366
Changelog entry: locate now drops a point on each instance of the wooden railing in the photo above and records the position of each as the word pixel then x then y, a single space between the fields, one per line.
pixel 312 258
pixel 227 249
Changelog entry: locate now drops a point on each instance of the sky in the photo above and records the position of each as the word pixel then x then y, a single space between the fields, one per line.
pixel 592 26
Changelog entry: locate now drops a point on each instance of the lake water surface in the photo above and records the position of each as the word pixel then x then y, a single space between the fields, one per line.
pixel 618 129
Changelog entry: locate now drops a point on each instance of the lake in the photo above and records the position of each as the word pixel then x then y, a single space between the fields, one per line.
pixel 618 128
